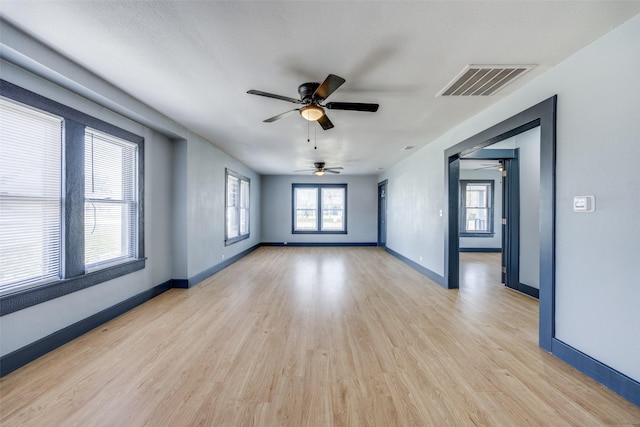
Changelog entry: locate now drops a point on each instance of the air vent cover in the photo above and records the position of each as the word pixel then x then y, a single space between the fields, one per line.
pixel 483 80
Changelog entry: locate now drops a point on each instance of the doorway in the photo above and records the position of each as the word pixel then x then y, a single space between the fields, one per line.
pixel 382 214
pixel 509 218
pixel 543 115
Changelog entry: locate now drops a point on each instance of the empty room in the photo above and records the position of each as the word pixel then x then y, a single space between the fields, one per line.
pixel 323 213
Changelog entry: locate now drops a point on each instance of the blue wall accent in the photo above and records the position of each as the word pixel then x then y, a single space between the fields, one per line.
pixel 180 283
pixel 308 244
pixel 29 297
pixel 612 379
pixel 542 114
pixel 213 270
pixel 480 249
pixel 16 359
pixel 419 268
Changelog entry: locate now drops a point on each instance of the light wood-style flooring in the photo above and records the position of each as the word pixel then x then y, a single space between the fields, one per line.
pixel 316 337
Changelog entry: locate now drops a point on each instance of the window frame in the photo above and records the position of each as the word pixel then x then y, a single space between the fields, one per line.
pixel 319 209
pixel 128 199
pixel 74 275
pixel 237 208
pixel 463 208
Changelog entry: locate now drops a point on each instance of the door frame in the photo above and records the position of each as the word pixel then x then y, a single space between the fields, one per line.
pixel 382 216
pixel 510 247
pixel 543 115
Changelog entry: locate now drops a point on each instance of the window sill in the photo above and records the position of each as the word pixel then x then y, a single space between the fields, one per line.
pixel 318 232
pixel 477 234
pixel 22 299
pixel 235 240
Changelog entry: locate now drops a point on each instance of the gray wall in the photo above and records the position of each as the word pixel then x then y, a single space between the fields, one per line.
pixel 529 145
pixel 597 292
pixel 206 166
pixel 184 192
pixel 26 326
pixel 362 209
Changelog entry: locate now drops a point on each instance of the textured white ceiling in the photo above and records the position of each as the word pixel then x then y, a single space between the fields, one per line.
pixel 194 61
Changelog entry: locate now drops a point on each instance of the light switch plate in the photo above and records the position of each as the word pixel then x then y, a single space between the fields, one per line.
pixel 584 203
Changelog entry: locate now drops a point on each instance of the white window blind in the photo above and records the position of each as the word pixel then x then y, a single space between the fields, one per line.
pixel 244 207
pixel 111 199
pixel 30 196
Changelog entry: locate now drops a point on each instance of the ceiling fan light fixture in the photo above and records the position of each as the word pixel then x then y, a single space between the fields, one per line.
pixel 312 112
pixel 319 172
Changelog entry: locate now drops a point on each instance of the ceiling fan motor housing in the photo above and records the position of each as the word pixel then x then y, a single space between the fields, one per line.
pixel 319 165
pixel 306 91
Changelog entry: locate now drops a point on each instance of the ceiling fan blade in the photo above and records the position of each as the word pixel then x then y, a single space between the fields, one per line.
pixel 279 116
pixel 352 106
pixel 328 86
pixel 331 171
pixel 325 122
pixel 271 95
pixel 305 170
pixel 335 167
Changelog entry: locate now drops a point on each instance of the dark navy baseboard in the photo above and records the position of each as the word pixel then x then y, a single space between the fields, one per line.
pixel 529 290
pixel 319 244
pixel 419 268
pixel 213 270
pixel 18 358
pixel 480 249
pixel 605 375
pixel 180 283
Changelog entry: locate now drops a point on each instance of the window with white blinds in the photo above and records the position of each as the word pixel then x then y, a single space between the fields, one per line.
pixel 244 207
pixel 30 196
pixel 237 207
pixel 110 210
pixel 71 200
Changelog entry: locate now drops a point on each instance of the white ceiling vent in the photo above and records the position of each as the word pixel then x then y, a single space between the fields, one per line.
pixel 483 80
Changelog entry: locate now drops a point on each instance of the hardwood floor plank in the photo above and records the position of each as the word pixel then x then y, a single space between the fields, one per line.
pixel 316 337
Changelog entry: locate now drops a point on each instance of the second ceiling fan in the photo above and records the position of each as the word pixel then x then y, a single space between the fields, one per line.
pixel 311 97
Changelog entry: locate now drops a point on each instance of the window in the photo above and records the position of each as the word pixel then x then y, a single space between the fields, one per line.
pixel 110 208
pixel 70 200
pixel 237 213
pixel 319 208
pixel 30 196
pixel 476 211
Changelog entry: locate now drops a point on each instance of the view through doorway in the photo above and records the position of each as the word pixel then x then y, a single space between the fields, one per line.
pixel 499 207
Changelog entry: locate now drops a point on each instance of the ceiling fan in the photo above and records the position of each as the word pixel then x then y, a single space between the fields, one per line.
pixel 499 165
pixel 311 97
pixel 320 169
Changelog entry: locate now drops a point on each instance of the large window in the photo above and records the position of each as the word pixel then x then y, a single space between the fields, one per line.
pixel 319 208
pixel 30 196
pixel 70 200
pixel 110 192
pixel 476 211
pixel 237 212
